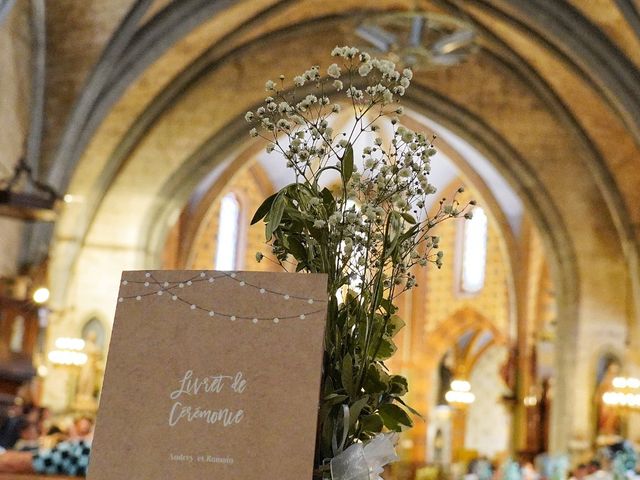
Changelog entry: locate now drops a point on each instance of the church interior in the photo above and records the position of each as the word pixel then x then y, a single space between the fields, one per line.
pixel 124 147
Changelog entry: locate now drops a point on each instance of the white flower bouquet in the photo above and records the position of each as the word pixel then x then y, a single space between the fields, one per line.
pixel 366 222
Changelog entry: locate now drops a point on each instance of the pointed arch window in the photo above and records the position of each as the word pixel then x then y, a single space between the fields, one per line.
pixel 228 233
pixel 474 252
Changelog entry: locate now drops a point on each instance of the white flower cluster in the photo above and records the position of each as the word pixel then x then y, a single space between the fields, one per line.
pixel 387 198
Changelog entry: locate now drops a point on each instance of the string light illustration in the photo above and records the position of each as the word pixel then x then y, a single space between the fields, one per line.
pixel 171 289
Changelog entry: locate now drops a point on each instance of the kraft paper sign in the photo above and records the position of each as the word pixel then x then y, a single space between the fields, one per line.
pixel 212 375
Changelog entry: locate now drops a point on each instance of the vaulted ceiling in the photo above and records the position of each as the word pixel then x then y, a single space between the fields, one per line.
pixel 550 97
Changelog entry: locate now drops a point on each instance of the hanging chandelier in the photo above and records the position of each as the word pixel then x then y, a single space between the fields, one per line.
pixel 418 39
pixel 36 204
pixel 459 394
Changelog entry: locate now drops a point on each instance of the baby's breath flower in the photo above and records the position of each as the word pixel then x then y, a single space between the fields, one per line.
pixel 333 70
pixel 350 52
pixel 407 136
pixel 364 69
pixel 404 173
pixel 392 176
pixel 386 67
pixel 284 124
pixel 354 92
pixel 399 90
pixel 284 107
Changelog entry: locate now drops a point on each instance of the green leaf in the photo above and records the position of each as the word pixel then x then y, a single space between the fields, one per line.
pixel 275 216
pixel 412 410
pixel 328 200
pixel 376 381
pixel 328 405
pixel 263 209
pixel 394 325
pixel 388 306
pixel 371 423
pixel 347 163
pixel 334 399
pixel 356 409
pixel 326 435
pixel 297 249
pixel 347 374
pixel 387 348
pixel 399 385
pixel 408 217
pixel 394 417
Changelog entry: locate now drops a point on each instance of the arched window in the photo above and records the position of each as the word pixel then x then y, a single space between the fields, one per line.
pixel 228 233
pixel 474 252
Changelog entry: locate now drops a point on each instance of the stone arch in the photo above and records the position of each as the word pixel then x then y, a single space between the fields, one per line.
pixel 450 330
pixel 426 361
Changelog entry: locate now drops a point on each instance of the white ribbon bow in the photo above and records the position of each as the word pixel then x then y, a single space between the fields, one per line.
pixel 365 461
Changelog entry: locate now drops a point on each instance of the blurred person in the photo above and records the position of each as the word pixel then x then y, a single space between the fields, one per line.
pixel 69 457
pixel 528 471
pixel 580 472
pixel 593 466
pixel 9 430
pixel 29 437
pixel 81 429
pixel 596 472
